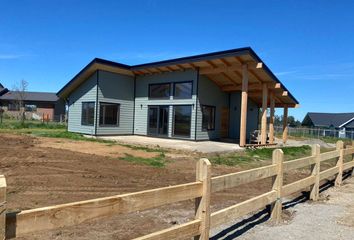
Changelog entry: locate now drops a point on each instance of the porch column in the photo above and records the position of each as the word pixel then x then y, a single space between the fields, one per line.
pixel 244 98
pixel 264 113
pixel 285 124
pixel 271 120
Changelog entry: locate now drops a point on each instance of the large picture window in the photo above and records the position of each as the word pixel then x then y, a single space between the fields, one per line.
pixel 182 90
pixel 88 113
pixel 182 121
pixel 160 91
pixel 208 118
pixel 109 114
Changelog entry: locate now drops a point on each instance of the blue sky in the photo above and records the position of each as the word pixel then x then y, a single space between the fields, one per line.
pixel 309 45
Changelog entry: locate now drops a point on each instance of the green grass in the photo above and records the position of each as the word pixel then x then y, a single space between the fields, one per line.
pixel 29 124
pixel 327 139
pixel 251 156
pixel 158 161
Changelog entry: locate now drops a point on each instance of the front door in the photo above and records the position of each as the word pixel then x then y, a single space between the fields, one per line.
pixel 158 120
pixel 224 131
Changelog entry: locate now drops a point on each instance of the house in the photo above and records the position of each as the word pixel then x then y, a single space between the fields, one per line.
pixel 210 96
pixel 36 104
pixel 343 122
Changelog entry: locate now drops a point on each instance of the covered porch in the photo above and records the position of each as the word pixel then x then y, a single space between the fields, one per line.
pixel 237 71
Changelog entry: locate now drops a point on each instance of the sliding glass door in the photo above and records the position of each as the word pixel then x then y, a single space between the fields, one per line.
pixel 158 120
pixel 182 121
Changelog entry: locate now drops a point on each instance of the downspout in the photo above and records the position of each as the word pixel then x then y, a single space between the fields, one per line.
pixel 66 113
pixel 134 104
pixel 97 76
pixel 196 106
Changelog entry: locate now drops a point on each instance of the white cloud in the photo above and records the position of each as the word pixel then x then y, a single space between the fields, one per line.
pixel 10 56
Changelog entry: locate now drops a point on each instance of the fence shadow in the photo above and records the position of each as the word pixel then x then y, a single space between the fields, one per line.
pixel 243 226
pixel 262 216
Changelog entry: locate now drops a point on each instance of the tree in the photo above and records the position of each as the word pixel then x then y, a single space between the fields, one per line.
pixel 292 122
pixel 20 88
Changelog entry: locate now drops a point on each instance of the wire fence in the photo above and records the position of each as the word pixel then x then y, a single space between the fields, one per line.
pixel 318 133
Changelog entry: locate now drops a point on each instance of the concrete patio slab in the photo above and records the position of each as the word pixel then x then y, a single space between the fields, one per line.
pixel 177 144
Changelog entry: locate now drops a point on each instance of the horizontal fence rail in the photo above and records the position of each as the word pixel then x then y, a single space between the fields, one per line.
pixel 19 223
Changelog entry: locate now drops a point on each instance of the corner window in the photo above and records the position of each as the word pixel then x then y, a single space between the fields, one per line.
pixel 159 91
pixel 88 113
pixel 208 118
pixel 109 114
pixel 182 90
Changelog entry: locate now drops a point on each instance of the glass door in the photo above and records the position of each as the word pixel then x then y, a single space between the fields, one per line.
pixel 158 120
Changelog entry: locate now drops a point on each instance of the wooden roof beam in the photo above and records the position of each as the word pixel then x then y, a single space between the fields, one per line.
pixel 254 86
pixel 211 77
pixel 231 68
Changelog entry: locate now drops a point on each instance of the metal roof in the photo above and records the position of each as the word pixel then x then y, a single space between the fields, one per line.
pixel 216 61
pixel 329 119
pixel 31 96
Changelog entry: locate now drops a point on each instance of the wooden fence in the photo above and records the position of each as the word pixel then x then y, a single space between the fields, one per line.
pixel 57 216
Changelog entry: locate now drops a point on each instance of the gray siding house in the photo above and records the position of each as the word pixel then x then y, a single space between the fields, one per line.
pixel 195 98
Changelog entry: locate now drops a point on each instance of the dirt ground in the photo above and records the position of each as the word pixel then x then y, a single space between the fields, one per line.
pixel 332 218
pixel 43 171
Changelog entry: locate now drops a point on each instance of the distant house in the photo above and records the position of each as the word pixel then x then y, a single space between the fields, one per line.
pixel 209 96
pixel 36 104
pixel 344 122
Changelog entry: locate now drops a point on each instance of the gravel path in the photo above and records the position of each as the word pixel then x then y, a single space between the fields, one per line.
pixel 330 218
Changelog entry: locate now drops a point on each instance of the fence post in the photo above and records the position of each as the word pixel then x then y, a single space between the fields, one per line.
pixel 278 159
pixel 340 148
pixel 2 207
pixel 202 204
pixel 315 171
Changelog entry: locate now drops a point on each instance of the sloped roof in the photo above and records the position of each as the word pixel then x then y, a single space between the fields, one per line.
pixel 224 68
pixel 31 96
pixel 329 119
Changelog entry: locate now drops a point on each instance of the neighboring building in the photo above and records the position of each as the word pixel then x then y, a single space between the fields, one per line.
pixel 196 98
pixel 36 104
pixel 344 122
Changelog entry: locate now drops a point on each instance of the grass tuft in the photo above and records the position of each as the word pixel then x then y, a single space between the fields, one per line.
pixel 158 161
pixel 257 155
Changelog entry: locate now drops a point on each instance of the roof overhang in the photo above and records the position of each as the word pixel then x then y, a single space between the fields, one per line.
pixel 350 120
pixel 223 68
pixel 92 67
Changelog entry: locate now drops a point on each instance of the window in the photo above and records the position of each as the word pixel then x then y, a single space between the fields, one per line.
pixel 208 118
pixel 182 121
pixel 30 108
pixel 183 90
pixel 159 91
pixel 13 107
pixel 109 114
pixel 88 113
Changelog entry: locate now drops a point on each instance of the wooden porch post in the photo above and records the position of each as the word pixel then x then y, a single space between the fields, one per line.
pixel 271 120
pixel 285 124
pixel 244 98
pixel 264 113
